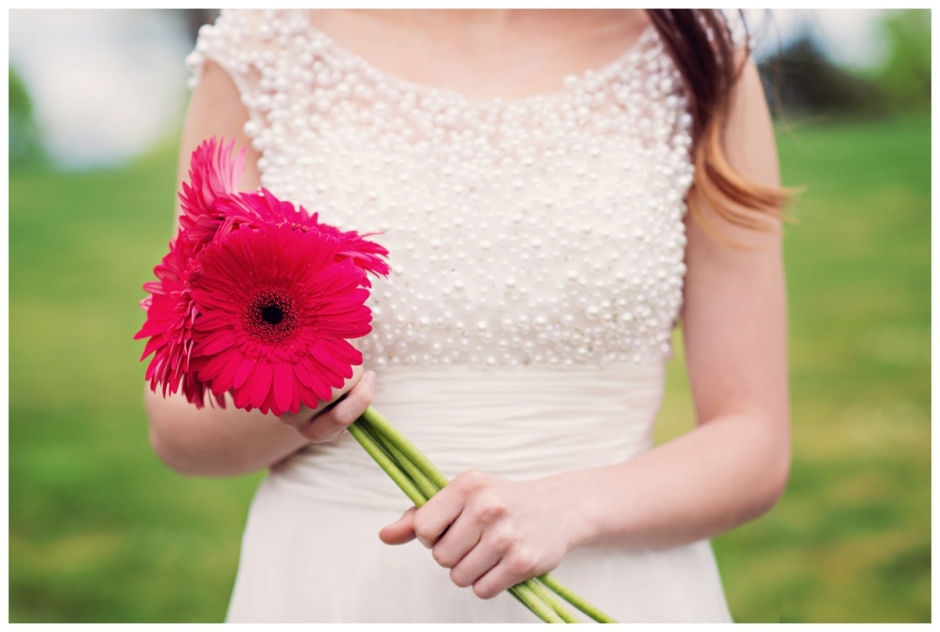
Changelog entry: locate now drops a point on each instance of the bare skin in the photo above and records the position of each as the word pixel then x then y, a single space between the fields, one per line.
pixel 485 53
pixel 730 469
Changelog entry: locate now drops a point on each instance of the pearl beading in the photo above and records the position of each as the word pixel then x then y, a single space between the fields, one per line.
pixel 540 231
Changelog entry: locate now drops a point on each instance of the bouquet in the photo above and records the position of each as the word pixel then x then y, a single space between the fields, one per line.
pixel 259 299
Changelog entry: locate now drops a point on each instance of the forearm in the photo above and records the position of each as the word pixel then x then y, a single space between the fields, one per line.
pixel 720 475
pixel 215 441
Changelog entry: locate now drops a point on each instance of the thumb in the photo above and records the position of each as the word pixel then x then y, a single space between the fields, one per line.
pixel 401 530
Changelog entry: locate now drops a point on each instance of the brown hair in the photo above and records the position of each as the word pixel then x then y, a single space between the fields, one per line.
pixel 701 45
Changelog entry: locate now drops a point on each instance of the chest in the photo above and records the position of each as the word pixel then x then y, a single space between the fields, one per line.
pixel 545 231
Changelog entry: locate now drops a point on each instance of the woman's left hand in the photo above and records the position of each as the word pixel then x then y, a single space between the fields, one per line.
pixel 492 533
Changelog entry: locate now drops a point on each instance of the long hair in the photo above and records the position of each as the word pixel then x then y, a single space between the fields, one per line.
pixel 701 46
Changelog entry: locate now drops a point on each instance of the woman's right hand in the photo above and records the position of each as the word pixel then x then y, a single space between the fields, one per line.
pixel 215 441
pixel 329 419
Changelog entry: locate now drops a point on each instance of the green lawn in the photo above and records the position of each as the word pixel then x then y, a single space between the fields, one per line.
pixel 100 530
pixel 850 539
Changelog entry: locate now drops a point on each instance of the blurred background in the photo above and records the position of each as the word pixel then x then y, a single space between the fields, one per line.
pixel 101 530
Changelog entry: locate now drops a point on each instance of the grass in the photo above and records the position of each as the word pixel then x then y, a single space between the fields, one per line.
pixel 850 539
pixel 100 530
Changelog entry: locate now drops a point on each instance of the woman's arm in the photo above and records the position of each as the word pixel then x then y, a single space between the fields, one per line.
pixel 734 466
pixel 223 442
pixel 730 469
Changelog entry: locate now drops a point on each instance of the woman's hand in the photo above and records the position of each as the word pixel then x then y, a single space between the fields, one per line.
pixel 492 533
pixel 215 441
pixel 329 419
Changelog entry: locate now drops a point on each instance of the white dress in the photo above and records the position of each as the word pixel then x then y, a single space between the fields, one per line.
pixel 537 251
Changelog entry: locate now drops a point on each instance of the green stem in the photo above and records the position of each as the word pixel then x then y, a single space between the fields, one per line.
pixel 386 463
pixel 568 595
pixel 524 601
pixel 428 489
pixel 403 444
pixel 359 432
pixel 547 597
pixel 536 605
pixel 513 592
pixel 419 486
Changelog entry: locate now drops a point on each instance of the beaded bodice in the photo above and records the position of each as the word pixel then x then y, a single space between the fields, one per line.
pixel 541 231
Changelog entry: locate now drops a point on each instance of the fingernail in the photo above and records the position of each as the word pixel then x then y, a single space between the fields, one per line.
pixel 370 378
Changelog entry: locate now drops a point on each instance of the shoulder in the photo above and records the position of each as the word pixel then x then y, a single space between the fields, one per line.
pixel 234 66
pixel 748 141
pixel 244 41
pixel 225 85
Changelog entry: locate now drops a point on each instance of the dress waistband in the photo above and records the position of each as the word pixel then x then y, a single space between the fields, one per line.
pixel 515 423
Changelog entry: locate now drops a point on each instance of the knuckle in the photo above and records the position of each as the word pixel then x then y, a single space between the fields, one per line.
pixel 459 579
pixel 328 425
pixel 441 556
pixel 490 510
pixel 342 416
pixel 522 563
pixel 364 391
pixel 357 402
pixel 503 542
pixel 483 591
pixel 474 479
pixel 421 526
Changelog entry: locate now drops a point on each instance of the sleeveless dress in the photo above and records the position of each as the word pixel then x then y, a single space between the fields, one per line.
pixel 537 251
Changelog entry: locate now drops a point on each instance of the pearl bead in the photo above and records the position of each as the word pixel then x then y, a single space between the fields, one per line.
pixel 541 231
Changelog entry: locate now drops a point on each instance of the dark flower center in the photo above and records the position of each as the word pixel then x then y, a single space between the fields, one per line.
pixel 270 316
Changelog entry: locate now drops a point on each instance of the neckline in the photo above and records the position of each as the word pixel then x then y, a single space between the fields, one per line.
pixel 568 85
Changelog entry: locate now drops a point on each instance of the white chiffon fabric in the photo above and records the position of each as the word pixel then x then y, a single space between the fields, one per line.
pixel 311 552
pixel 537 251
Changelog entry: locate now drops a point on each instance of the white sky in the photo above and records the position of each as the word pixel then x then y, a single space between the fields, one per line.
pixel 106 84
pixel 109 83
pixel 849 36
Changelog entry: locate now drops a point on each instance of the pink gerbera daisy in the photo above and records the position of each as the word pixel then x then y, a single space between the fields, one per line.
pixel 214 174
pixel 212 207
pixel 275 312
pixel 264 207
pixel 170 316
pixel 212 210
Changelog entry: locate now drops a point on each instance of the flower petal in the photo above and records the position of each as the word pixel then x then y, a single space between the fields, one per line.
pixel 283 386
pixel 260 382
pixel 322 354
pixel 244 372
pixel 224 380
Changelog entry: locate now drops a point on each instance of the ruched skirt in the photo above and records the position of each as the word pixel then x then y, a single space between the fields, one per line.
pixel 311 552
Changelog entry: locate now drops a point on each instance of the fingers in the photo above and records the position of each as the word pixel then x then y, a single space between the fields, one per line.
pixel 443 509
pixel 467 528
pixel 400 531
pixel 332 422
pixel 475 564
pixel 511 569
pixel 457 541
pixel 431 520
pixel 303 417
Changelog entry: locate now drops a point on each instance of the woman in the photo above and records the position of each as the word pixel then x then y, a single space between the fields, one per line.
pixel 533 196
